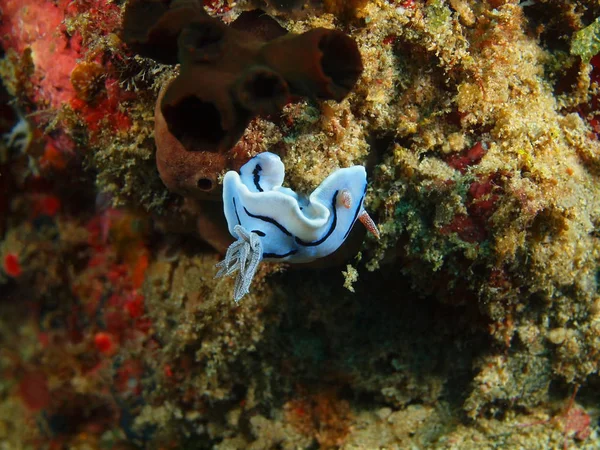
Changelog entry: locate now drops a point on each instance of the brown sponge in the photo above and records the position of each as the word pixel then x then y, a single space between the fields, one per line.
pixel 228 76
pixel 320 63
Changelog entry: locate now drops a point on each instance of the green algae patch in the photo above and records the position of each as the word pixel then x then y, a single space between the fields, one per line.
pixel 586 42
pixel 438 15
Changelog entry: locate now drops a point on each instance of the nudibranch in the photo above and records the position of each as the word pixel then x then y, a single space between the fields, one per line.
pixel 273 223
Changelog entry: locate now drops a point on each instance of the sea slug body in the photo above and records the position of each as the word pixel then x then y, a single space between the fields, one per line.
pixel 273 223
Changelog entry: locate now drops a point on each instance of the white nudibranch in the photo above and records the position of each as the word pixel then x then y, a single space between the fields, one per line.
pixel 273 223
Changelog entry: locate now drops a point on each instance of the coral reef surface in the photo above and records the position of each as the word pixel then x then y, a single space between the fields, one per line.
pixel 473 322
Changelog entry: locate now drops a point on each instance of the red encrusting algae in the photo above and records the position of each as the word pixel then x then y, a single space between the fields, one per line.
pixel 104 343
pixel 470 157
pixel 12 265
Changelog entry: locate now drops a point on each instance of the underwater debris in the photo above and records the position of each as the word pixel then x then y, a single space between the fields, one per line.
pixel 273 223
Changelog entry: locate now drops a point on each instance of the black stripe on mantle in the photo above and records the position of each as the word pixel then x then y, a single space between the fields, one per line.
pixel 268 220
pixel 275 255
pixel 256 179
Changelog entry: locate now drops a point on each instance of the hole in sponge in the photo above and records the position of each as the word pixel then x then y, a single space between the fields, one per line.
pixel 264 86
pixel 341 62
pixel 205 184
pixel 195 123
